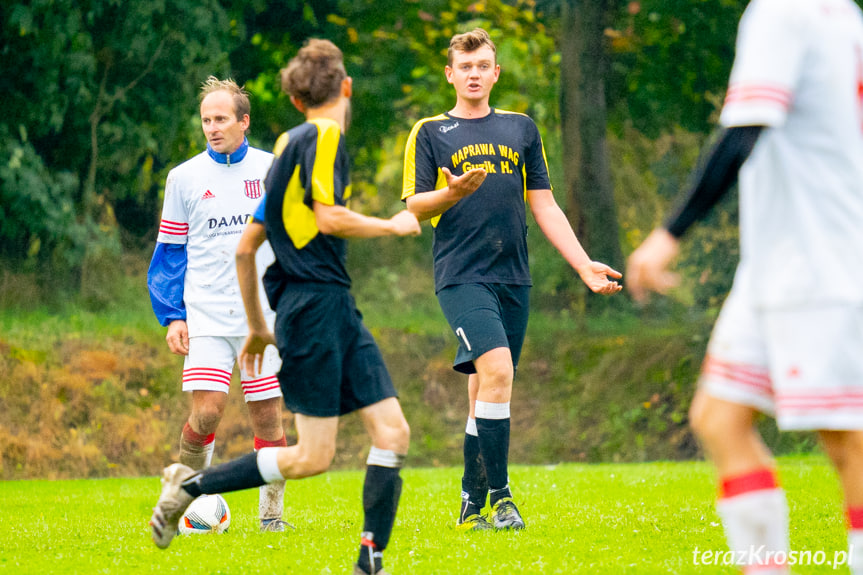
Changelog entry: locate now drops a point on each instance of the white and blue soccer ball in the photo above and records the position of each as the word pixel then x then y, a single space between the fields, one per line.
pixel 206 514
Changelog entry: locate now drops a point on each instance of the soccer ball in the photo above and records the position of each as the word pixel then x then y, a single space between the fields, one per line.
pixel 206 514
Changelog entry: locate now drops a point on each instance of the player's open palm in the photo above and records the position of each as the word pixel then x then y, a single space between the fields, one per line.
pixel 252 354
pixel 465 184
pixel 406 224
pixel 595 276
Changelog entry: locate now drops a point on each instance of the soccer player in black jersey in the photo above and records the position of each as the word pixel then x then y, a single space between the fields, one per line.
pixel 472 170
pixel 331 365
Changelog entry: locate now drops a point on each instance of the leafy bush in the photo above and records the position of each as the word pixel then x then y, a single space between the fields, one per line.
pixel 37 216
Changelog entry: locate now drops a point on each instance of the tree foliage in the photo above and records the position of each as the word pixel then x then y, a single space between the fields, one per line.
pixel 97 94
pixel 101 98
pixel 671 62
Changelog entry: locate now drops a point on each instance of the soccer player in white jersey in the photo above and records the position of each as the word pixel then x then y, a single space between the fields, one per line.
pixel 193 283
pixel 789 340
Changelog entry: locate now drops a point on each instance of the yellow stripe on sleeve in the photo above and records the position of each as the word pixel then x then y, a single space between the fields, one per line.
pixel 410 167
pixel 298 219
pixel 281 144
pixel 323 177
pixel 439 184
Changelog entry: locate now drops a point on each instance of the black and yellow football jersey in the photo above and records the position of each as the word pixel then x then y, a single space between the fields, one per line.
pixel 482 238
pixel 311 165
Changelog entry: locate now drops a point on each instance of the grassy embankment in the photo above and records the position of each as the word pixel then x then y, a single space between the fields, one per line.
pixel 96 393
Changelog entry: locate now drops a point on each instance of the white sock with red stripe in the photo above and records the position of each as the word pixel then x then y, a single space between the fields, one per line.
pixel 855 540
pixel 754 513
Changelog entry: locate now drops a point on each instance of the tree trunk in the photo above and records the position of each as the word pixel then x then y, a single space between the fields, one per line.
pixel 590 205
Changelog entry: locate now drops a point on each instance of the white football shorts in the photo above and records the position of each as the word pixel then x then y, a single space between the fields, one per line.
pixel 802 366
pixel 211 361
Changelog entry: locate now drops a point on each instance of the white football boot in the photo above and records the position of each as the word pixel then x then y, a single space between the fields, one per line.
pixel 172 503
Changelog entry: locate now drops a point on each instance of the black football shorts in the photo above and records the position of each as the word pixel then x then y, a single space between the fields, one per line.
pixel 331 364
pixel 485 317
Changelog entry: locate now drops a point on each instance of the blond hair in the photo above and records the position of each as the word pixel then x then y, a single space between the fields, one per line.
pixel 314 76
pixel 470 42
pixel 242 107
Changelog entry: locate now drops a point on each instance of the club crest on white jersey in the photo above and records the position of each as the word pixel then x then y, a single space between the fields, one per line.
pixel 254 189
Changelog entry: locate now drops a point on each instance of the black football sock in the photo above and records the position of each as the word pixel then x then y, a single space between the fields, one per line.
pixel 468 508
pixel 495 495
pixel 240 473
pixel 494 446
pixel 474 485
pixel 381 492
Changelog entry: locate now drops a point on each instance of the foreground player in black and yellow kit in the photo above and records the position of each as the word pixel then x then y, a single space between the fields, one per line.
pixel 331 365
pixel 472 170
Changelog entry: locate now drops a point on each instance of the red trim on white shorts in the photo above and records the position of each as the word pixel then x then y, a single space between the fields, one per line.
pixel 752 378
pixel 261 385
pixel 207 374
pixel 821 399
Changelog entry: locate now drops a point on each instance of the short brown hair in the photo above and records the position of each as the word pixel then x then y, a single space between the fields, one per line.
pixel 469 42
pixel 242 107
pixel 314 76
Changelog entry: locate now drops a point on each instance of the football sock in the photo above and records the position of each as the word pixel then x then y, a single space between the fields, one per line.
pixel 474 486
pixel 196 450
pixel 495 495
pixel 754 513
pixel 492 425
pixel 247 471
pixel 369 555
pixel 381 491
pixel 271 497
pixel 855 540
pixel 468 508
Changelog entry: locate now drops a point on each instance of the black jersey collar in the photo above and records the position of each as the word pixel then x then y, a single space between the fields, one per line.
pixel 491 114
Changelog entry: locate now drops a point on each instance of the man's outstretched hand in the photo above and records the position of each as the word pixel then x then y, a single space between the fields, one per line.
pixel 647 267
pixel 595 276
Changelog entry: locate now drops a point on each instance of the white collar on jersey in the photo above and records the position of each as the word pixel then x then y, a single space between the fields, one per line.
pixel 229 159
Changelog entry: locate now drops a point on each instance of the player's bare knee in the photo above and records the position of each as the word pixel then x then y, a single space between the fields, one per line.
pixel 205 418
pixel 394 435
pixel 496 377
pixel 401 436
pixel 718 423
pixel 265 416
pixel 495 388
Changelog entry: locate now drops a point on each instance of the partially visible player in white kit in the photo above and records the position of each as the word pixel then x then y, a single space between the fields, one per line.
pixel 789 340
pixel 193 283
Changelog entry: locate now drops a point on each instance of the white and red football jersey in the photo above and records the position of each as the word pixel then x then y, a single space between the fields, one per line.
pixel 798 71
pixel 207 206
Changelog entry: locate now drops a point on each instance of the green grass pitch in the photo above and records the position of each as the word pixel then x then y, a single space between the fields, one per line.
pixel 581 518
